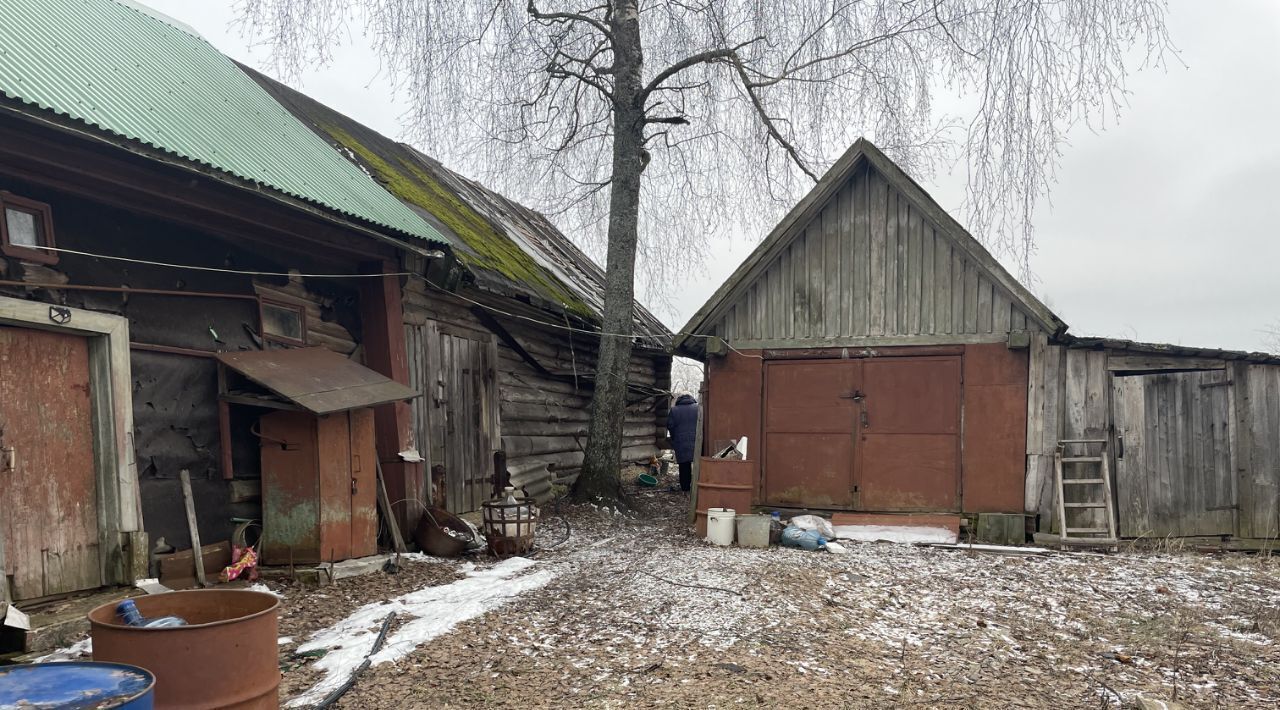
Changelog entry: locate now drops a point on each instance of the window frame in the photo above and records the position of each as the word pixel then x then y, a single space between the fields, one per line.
pixel 43 214
pixel 285 305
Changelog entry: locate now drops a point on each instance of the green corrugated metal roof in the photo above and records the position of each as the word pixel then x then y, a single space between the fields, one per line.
pixel 125 71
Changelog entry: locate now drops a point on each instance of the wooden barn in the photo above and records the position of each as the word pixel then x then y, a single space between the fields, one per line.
pixel 196 283
pixel 506 358
pixel 884 362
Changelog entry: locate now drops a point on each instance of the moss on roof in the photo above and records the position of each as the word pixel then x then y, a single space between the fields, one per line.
pixel 486 247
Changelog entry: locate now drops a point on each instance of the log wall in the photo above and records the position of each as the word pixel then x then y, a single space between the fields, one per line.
pixel 543 415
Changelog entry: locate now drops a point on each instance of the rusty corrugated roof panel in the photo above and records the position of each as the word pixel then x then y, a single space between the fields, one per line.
pixel 316 379
pixel 127 71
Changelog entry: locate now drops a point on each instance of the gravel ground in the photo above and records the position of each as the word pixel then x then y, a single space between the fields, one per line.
pixel 639 613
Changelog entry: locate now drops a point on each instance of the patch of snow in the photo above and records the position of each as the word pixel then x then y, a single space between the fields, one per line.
pixel 284 641
pixel 75 652
pixel 260 587
pixel 903 534
pixel 422 615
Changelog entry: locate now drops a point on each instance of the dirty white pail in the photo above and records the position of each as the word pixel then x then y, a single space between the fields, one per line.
pixel 720 526
pixel 753 530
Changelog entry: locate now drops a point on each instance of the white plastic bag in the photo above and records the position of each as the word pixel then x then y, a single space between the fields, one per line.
pixel 814 522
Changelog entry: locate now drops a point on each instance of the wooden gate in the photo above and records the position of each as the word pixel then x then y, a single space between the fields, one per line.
pixel 50 521
pixel 1174 468
pixel 456 420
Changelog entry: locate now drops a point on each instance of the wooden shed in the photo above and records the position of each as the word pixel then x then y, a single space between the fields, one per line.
pixel 886 363
pixel 506 360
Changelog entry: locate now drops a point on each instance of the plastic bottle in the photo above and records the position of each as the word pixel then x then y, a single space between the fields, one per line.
pixel 809 540
pixel 128 612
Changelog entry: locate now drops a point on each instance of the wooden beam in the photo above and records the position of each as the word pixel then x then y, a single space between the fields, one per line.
pixel 197 553
pixel 1152 363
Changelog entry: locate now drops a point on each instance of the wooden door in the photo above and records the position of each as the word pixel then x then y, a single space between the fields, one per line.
pixel 909 434
pixel 1173 454
pixel 809 431
pixel 50 519
pixel 456 420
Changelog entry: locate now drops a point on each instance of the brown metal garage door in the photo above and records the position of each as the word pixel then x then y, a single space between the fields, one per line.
pixel 876 435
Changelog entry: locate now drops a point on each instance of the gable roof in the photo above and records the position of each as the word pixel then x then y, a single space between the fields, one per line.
pixel 861 153
pixel 127 72
pixel 511 250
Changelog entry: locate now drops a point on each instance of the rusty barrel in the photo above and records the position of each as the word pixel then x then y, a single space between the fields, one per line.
pixel 226 656
pixel 724 483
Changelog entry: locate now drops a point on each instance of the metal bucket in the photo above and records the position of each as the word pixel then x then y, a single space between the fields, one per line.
pixel 435 541
pixel 753 530
pixel 77 685
pixel 226 657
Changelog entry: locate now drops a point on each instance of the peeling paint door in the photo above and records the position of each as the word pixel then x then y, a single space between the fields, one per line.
pixel 50 519
pixel 810 433
pixel 456 419
pixel 909 434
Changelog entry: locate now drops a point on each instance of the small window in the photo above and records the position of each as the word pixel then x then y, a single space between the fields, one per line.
pixel 284 323
pixel 26 227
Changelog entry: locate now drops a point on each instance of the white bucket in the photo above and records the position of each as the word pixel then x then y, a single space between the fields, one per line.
pixel 720 526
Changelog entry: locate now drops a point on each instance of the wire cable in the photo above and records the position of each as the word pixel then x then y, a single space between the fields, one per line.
pixel 409 274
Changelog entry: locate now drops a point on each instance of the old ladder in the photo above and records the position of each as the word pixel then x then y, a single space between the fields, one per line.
pixel 1093 480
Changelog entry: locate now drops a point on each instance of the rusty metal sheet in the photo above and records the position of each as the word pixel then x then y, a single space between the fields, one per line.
pixel 995 429
pixel 290 488
pixel 733 402
pixel 333 444
pixel 364 462
pixel 809 427
pixel 316 379
pixel 50 525
pixel 909 453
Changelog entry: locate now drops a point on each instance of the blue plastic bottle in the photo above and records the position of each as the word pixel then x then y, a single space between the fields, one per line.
pixel 129 614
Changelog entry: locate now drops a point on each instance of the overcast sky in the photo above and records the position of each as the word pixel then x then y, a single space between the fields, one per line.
pixel 1163 228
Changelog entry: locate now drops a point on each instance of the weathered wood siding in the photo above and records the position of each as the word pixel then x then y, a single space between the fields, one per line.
pixel 543 415
pixel 1201 438
pixel 871 264
pixel 1174 474
pixel 1257 413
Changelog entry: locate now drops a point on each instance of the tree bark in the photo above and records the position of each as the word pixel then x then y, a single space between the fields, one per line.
pixel 600 480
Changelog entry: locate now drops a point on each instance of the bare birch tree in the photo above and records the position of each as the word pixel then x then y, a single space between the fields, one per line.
pixel 671 121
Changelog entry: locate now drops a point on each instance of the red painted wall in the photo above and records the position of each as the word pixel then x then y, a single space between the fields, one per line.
pixel 993 459
pixel 995 429
pixel 734 386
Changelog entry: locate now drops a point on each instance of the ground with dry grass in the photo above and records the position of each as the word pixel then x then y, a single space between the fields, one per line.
pixel 638 613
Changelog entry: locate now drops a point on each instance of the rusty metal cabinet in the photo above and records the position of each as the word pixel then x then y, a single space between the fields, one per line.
pixel 318 486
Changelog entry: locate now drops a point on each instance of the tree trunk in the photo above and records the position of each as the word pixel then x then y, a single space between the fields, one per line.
pixel 600 478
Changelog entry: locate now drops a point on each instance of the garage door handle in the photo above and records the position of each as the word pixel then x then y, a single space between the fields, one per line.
pixel 866 422
pixel 10 459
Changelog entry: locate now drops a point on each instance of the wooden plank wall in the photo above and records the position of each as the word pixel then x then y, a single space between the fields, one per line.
pixel 543 419
pixel 870 264
pixel 1257 409
pixel 1068 397
pixel 1203 429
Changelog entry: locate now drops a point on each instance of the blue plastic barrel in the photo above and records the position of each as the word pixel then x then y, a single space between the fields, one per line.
pixel 76 685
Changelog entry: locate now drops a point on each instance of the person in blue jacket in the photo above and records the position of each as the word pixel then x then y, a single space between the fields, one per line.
pixel 682 425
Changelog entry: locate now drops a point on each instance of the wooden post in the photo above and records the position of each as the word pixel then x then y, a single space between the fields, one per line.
pixel 197 554
pixel 384 507
pixel 382 313
pixel 697 452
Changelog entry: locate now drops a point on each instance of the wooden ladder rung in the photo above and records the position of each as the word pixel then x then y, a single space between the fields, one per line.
pixel 1082 459
pixel 1084 505
pixel 1083 480
pixel 1088 530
